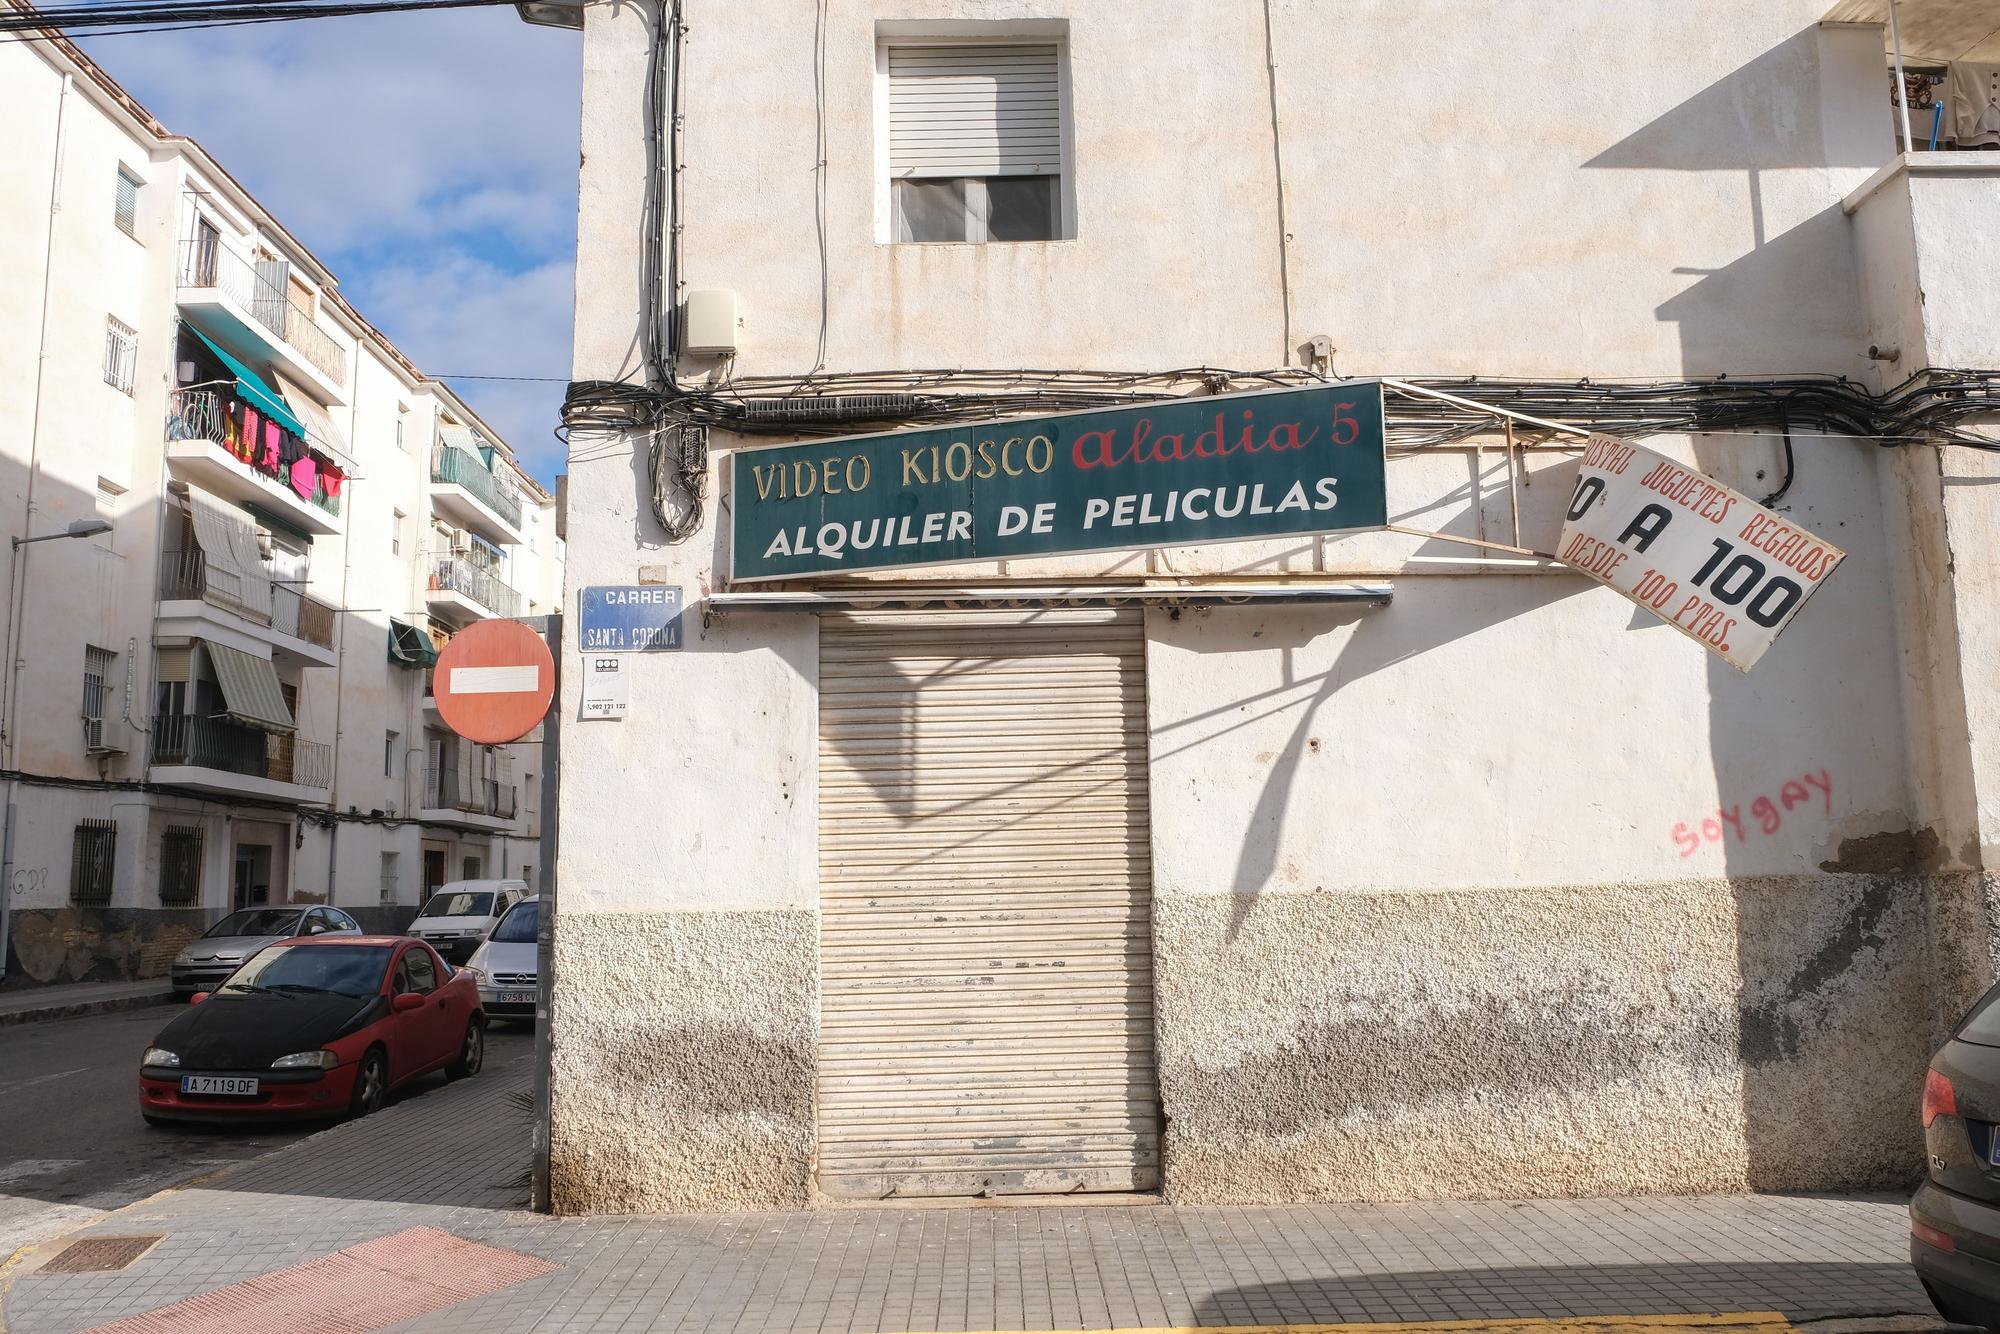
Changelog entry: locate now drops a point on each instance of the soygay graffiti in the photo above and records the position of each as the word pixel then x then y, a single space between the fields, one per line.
pixel 1210 469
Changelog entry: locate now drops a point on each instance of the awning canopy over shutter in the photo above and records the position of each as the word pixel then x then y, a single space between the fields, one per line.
pixel 250 690
pixel 252 387
pixel 173 664
pixel 974 110
pixel 320 428
pixel 409 646
pixel 233 563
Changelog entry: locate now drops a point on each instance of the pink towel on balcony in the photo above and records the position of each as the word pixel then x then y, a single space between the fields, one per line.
pixel 273 437
pixel 305 477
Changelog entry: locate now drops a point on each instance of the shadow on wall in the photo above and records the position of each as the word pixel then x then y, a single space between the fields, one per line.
pixel 1833 1029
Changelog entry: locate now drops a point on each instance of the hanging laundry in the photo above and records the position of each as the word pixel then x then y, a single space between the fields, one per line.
pixel 305 477
pixel 247 438
pixel 332 479
pixel 1973 118
pixel 273 435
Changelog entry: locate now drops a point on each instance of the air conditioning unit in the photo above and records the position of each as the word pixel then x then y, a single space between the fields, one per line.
pixel 107 736
pixel 461 541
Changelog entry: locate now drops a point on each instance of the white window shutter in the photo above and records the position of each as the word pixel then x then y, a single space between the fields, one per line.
pixel 974 110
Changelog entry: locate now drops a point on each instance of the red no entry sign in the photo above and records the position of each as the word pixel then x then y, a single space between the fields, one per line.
pixel 493 682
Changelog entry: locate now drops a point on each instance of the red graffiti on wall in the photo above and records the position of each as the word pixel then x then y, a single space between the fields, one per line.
pixel 1767 814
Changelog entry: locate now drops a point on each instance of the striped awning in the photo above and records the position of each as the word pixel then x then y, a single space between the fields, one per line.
pixel 250 691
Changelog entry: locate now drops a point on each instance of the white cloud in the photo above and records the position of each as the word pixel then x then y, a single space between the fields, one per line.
pixel 429 158
pixel 363 131
pixel 457 314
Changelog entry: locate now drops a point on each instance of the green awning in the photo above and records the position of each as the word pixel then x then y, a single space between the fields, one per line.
pixel 252 386
pixel 250 690
pixel 410 646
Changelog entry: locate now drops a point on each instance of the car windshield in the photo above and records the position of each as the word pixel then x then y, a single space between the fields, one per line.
pixel 460 903
pixel 292 969
pixel 519 926
pixel 257 922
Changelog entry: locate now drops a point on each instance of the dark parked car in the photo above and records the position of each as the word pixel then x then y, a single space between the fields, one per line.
pixel 1955 1216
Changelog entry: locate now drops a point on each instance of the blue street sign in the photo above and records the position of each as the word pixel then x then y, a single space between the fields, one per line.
pixel 638 618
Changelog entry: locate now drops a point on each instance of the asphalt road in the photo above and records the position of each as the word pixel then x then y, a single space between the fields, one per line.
pixel 71 1141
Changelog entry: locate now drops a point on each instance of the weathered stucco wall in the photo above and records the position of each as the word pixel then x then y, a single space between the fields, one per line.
pixel 685 1060
pixel 1692 1035
pixel 1473 894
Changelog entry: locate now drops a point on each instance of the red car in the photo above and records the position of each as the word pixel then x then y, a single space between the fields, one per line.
pixel 318 1026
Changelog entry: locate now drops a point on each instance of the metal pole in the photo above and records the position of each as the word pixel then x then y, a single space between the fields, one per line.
pixel 1902 83
pixel 551 809
pixel 6 878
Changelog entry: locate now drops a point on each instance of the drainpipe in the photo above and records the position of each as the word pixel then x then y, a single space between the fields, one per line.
pixel 340 620
pixel 1902 87
pixel 19 560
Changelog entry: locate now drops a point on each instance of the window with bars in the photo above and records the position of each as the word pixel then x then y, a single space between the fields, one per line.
pixel 97 666
pixel 180 866
pixel 391 876
pixel 121 354
pixel 90 858
pixel 126 211
pixel 975 141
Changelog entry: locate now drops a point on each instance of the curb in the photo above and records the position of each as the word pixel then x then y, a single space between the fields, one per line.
pixel 77 1009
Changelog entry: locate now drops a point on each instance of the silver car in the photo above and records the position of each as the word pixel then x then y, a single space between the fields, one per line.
pixel 215 954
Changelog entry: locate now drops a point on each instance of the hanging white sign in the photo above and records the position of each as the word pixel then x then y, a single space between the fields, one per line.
pixel 607 689
pixel 1709 561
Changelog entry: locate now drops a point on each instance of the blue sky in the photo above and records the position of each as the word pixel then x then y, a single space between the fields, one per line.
pixel 428 158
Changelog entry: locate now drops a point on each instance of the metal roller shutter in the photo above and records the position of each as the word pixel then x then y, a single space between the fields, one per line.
pixel 986 1014
pixel 974 110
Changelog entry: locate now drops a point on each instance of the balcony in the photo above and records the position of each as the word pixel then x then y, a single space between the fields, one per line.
pixel 217 755
pixel 249 305
pixel 467 803
pixel 205 447
pixel 299 633
pixel 465 491
pixel 458 592
pixel 1923 229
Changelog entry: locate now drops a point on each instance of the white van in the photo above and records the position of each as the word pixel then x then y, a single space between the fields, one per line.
pixel 460 914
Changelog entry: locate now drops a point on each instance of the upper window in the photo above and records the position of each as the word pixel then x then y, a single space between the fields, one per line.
pixel 121 354
pixel 125 212
pixel 976 141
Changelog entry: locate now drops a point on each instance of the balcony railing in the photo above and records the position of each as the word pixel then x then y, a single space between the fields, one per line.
pixel 446 790
pixel 458 468
pixel 268 301
pixel 217 743
pixel 184 575
pixel 452 574
pixel 211 415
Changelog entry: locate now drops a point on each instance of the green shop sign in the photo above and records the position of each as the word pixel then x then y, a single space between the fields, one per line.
pixel 1173 473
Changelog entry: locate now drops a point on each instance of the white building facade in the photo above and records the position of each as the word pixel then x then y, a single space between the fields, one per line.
pixel 1461 888
pixel 222 700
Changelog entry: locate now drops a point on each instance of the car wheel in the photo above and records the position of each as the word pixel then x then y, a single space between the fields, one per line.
pixel 371 1085
pixel 471 1055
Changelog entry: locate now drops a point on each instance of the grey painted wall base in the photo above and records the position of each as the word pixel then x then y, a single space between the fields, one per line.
pixel 684 1068
pixel 57 946
pixel 1713 1035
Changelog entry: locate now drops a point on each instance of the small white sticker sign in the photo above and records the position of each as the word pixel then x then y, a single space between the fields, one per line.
pixel 607 688
pixel 1709 561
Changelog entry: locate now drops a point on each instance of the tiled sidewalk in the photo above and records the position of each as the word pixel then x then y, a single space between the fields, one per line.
pixel 456 1160
pixel 1049 1267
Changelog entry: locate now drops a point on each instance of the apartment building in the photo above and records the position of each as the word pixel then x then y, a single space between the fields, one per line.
pixel 243 524
pixel 1369 864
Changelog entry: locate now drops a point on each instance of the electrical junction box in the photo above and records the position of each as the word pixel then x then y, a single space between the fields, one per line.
pixel 708 323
